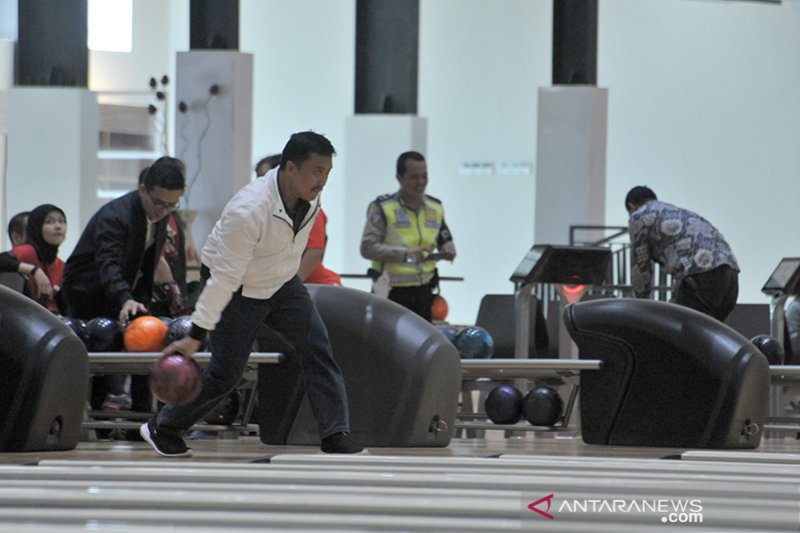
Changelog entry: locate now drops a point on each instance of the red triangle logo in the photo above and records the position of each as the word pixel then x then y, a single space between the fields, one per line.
pixel 548 499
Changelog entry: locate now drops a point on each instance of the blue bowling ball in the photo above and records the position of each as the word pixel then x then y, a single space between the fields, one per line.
pixel 474 342
pixel 451 332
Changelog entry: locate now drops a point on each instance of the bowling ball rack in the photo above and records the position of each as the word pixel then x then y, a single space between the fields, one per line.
pixel 484 375
pixel 139 363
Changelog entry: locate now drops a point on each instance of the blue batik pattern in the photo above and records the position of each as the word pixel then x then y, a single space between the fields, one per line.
pixel 682 242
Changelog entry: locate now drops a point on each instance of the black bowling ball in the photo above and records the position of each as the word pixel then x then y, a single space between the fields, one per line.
pixel 543 406
pixel 104 335
pixel 771 348
pixel 178 329
pixel 77 326
pixel 503 405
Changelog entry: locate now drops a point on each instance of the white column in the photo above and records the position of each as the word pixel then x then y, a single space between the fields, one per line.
pixel 570 161
pixel 6 81
pixel 213 136
pixel 52 154
pixel 373 144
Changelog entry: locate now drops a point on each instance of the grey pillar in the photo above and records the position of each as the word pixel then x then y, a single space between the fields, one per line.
pixel 51 43
pixel 214 25
pixel 387 49
pixel 574 42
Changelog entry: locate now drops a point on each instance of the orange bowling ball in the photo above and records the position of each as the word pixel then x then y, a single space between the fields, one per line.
pixel 439 308
pixel 145 334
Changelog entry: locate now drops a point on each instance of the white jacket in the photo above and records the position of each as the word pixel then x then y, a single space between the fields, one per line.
pixel 252 246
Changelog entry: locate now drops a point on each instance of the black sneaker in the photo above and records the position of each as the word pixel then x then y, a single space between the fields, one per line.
pixel 341 443
pixel 164 444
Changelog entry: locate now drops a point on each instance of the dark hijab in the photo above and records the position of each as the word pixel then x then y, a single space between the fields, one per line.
pixel 45 251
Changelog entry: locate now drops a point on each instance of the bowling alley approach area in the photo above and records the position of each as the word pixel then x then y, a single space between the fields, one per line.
pixel 474 484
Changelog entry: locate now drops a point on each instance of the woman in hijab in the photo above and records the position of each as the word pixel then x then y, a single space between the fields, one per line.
pixel 38 257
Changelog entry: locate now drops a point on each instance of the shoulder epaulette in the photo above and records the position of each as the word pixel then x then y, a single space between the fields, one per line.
pixel 433 199
pixel 384 197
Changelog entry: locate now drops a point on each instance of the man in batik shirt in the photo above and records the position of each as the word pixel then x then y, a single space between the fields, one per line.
pixel 704 270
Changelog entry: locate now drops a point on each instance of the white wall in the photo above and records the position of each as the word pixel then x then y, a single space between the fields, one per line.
pixel 704 107
pixel 8 19
pixel 52 154
pixel 6 82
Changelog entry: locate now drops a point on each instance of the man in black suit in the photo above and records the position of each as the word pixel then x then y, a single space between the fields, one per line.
pixel 110 273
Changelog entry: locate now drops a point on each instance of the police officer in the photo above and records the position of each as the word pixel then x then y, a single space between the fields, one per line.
pixel 405 234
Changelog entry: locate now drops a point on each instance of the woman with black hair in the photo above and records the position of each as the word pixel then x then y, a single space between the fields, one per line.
pixel 38 257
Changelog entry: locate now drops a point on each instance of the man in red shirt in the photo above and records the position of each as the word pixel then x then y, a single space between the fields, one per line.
pixel 311 268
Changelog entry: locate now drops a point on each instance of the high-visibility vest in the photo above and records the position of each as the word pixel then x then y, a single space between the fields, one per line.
pixel 409 228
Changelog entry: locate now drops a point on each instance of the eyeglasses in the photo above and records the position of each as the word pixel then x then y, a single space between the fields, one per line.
pixel 161 204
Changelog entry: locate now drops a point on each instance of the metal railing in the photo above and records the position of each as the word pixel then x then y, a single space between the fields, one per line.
pixel 619 276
